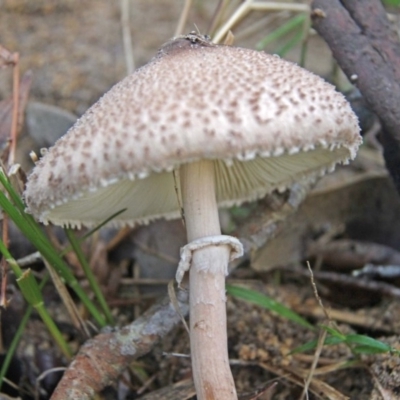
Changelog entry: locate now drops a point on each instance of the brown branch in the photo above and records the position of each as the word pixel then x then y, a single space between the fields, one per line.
pixel 349 254
pixel 268 217
pixel 344 281
pixel 368 51
pixel 102 359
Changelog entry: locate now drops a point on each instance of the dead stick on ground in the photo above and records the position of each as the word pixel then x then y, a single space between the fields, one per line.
pixel 102 359
pixel 350 254
pixel 368 50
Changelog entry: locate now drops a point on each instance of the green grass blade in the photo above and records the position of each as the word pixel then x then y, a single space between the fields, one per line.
pixel 290 44
pixel 32 231
pixel 14 344
pixel 367 341
pixel 30 288
pixel 334 332
pixel 89 275
pixel 330 340
pixel 11 191
pixel 393 3
pixel 63 270
pixel 267 302
pixel 32 293
pixel 11 262
pixel 92 231
pixel 110 218
pixel 304 38
pixel 284 29
pixel 359 344
pixel 17 337
pixel 367 350
pixel 366 344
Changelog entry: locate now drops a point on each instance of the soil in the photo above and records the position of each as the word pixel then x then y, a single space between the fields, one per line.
pixel 75 51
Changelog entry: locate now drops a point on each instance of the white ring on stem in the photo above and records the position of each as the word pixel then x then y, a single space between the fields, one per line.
pixel 218 240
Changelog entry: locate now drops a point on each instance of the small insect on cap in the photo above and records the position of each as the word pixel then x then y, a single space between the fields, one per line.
pixel 264 121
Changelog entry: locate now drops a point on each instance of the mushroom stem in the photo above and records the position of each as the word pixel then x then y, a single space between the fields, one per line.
pixel 208 335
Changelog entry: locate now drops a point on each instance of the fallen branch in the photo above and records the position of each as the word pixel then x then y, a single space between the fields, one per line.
pixel 368 50
pixel 102 359
pixel 350 281
pixel 268 217
pixel 350 254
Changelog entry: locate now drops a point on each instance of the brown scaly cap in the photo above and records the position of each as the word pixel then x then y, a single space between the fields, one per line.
pixel 266 122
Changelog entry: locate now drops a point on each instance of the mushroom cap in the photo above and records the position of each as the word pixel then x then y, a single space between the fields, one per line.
pixel 266 122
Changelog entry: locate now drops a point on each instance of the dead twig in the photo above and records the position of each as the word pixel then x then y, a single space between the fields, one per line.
pixel 348 254
pixel 344 280
pixel 269 216
pixel 370 321
pixel 297 376
pixel 354 281
pixel 183 18
pixel 11 131
pixel 126 36
pixel 181 390
pixel 102 359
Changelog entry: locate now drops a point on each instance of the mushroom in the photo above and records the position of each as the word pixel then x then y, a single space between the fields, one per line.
pixel 205 126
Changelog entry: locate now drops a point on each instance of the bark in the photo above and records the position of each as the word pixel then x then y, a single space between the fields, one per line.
pixel 102 359
pixel 368 50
